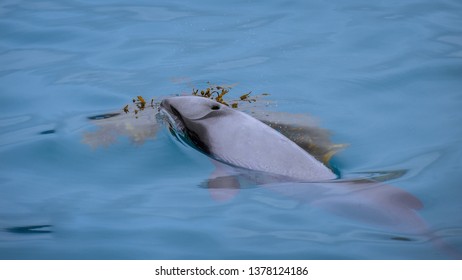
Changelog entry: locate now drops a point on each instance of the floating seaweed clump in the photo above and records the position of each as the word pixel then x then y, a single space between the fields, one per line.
pixel 217 93
pixel 140 105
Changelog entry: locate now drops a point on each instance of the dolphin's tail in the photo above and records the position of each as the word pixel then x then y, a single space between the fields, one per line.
pixel 369 202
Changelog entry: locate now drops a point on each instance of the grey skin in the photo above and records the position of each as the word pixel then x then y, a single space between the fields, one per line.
pixel 239 140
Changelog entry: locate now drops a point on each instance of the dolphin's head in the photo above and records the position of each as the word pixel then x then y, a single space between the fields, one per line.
pixel 189 107
pixel 183 115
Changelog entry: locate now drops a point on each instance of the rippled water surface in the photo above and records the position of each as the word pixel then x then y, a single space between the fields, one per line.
pixel 383 76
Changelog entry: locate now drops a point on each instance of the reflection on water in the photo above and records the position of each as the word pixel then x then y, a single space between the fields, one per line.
pixel 383 77
pixel 30 229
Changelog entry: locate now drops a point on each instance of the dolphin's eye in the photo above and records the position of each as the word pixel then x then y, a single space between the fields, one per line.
pixel 215 107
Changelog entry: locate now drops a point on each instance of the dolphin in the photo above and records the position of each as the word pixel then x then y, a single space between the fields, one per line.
pixel 239 144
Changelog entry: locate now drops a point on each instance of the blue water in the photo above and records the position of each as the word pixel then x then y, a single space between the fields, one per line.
pixel 383 76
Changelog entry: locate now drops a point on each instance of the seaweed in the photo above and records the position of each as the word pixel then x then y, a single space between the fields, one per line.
pixel 218 93
pixel 140 105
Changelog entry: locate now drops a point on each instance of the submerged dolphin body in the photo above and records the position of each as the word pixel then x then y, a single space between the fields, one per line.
pixel 237 139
